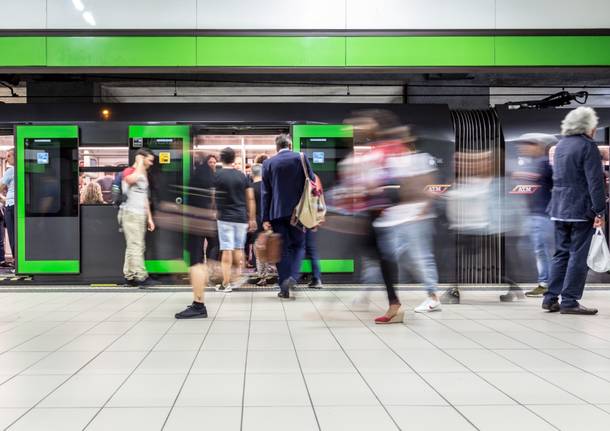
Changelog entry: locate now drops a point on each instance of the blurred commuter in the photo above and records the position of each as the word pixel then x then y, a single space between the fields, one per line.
pixel 106 185
pixel 7 185
pixel 408 226
pixel 2 233
pixel 260 159
pixel 537 173
pixel 263 269
pixel 311 250
pixel 203 248
pixel 135 217
pixel 282 186
pixel 92 195
pixel 578 205
pixel 236 216
pixel 368 189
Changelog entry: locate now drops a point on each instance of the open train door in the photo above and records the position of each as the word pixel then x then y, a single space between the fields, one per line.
pixel 47 200
pixel 166 250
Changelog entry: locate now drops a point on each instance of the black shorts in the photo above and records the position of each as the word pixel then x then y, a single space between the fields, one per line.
pixel 196 245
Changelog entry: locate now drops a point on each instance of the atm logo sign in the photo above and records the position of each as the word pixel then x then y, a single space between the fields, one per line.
pixel 527 189
pixel 437 188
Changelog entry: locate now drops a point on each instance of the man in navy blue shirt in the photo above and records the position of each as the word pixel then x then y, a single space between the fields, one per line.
pixel 283 182
pixel 578 205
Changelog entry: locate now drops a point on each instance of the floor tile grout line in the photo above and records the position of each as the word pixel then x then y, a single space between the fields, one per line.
pixel 540 350
pixel 139 363
pixel 76 372
pixel 243 390
pixel 542 377
pixel 49 353
pixel 351 361
pixel 414 370
pixel 33 318
pixel 490 383
pixel 296 354
pixel 188 373
pixel 60 323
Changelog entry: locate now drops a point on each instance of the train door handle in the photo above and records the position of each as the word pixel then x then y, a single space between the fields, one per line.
pixel 179 200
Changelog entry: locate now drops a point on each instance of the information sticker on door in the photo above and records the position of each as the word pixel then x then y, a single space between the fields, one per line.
pixel 165 158
pixel 42 158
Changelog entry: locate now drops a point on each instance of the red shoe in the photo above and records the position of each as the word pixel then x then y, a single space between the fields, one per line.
pixel 384 320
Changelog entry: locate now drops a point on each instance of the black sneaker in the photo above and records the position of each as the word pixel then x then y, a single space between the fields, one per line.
pixel 131 282
pixel 451 296
pixel 193 311
pixel 149 282
pixel 579 309
pixel 315 284
pixel 551 307
pixel 283 295
pixel 5 264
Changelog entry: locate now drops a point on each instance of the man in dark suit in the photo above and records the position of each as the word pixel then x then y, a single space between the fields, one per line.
pixel 578 205
pixel 283 182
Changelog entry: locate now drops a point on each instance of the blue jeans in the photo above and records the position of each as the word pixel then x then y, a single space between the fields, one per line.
pixel 311 252
pixel 541 231
pixel 293 240
pixel 569 268
pixel 411 245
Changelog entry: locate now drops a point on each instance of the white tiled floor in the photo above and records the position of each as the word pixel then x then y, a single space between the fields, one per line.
pixel 87 360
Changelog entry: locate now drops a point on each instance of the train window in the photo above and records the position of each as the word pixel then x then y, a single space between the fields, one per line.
pixel 248 148
pixel 49 171
pixel 98 168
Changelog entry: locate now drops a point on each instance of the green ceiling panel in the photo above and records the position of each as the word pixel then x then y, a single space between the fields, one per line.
pixel 397 51
pixel 121 51
pixel 23 51
pixel 552 51
pixel 272 51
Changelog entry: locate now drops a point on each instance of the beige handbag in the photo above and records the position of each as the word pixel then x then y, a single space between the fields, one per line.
pixel 311 209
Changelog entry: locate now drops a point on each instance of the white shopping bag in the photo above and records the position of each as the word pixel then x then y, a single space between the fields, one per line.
pixel 599 255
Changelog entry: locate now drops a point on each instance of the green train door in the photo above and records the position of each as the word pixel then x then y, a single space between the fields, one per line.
pixel 47 200
pixel 166 250
pixel 325 146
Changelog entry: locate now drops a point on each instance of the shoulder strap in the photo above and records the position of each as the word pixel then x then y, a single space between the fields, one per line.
pixel 304 166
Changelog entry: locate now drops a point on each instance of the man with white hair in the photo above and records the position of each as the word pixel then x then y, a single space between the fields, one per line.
pixel 577 206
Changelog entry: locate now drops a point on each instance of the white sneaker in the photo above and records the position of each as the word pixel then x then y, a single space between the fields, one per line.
pixel 225 289
pixel 428 305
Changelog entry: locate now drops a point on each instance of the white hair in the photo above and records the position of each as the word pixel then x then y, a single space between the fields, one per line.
pixel 581 120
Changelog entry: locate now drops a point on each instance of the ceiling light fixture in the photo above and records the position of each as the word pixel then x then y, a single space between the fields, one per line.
pixel 88 17
pixel 78 5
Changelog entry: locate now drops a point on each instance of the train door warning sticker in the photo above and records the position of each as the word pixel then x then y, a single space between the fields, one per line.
pixel 164 158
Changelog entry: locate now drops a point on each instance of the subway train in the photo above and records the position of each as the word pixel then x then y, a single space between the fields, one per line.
pixel 60 148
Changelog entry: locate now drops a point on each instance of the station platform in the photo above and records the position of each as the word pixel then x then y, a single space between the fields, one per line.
pixel 103 360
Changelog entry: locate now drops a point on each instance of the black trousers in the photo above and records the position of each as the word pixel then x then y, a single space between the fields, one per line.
pixel 9 221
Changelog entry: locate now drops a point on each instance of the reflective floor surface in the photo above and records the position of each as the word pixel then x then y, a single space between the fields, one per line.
pixel 120 361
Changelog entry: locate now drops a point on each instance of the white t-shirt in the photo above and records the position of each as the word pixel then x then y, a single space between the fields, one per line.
pixel 137 196
pixel 401 167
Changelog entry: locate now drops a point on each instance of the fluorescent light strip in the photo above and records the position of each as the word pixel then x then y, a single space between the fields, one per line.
pixel 236 146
